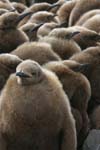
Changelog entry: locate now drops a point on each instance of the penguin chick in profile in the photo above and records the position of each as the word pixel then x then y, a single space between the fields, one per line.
pixel 35 112
pixel 10 35
pixel 62 42
pixel 86 38
pixel 8 64
pixel 81 7
pixel 91 56
pixel 93 23
pixel 78 89
pixel 40 52
pixel 42 16
pixel 65 10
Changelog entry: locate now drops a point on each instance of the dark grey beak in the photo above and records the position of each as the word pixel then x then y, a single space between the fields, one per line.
pixel 21 74
pixel 36 27
pixel 69 36
pixel 22 16
pixel 53 6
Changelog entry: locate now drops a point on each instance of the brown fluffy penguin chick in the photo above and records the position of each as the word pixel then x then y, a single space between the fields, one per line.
pixel 62 42
pixel 46 28
pixel 40 52
pixel 10 35
pixel 95 118
pixel 19 7
pixel 81 7
pixel 65 10
pixel 87 16
pixel 93 23
pixel 77 87
pixel 91 56
pixel 35 112
pixel 8 65
pixel 36 7
pixel 42 16
pixel 86 38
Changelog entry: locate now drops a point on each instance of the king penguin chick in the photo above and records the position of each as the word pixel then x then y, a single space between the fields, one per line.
pixel 8 64
pixel 40 52
pixel 76 86
pixel 86 38
pixel 10 35
pixel 62 42
pixel 91 56
pixel 36 7
pixel 35 112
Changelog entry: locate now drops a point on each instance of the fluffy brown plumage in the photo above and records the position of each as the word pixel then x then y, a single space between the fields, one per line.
pixel 62 42
pixel 10 35
pixel 77 87
pixel 8 65
pixel 87 16
pixel 80 8
pixel 35 112
pixel 40 52
pixel 93 23
pixel 42 16
pixel 65 10
pixel 86 37
pixel 91 56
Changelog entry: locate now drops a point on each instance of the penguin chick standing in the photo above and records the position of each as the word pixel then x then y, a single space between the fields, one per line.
pixel 10 35
pixel 35 112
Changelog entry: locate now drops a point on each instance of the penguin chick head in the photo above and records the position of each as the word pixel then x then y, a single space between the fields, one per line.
pixel 29 72
pixel 10 20
pixel 63 33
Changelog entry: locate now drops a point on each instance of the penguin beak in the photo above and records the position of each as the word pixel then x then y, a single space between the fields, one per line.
pixel 53 6
pixel 22 75
pixel 22 16
pixel 70 36
pixel 36 27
